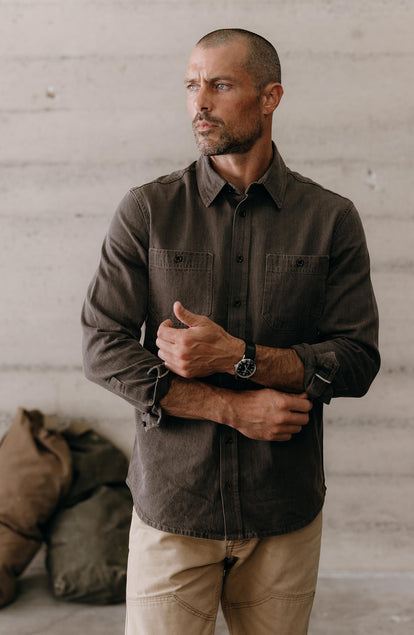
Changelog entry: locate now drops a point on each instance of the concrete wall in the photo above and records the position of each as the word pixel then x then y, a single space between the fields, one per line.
pixel 92 103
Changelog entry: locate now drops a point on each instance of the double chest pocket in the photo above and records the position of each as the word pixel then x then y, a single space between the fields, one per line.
pixel 186 276
pixel 294 291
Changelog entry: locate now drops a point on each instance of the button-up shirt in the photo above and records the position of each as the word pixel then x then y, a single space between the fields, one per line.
pixel 284 264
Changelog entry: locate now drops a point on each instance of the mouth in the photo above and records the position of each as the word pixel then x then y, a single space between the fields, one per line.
pixel 203 123
pixel 203 126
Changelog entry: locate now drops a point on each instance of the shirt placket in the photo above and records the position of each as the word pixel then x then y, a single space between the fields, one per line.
pixel 238 290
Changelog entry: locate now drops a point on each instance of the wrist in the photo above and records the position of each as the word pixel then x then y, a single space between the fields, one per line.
pixel 236 352
pixel 230 406
pixel 246 366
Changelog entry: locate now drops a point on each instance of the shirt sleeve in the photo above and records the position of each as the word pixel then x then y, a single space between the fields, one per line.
pixel 113 315
pixel 345 359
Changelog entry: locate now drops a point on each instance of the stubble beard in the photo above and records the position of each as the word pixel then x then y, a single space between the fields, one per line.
pixel 226 143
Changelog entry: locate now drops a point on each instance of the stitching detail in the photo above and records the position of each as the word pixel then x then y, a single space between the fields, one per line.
pixel 165 599
pixel 168 178
pixel 191 609
pixel 308 181
pixel 341 220
pixel 141 207
pixel 284 597
pixel 154 599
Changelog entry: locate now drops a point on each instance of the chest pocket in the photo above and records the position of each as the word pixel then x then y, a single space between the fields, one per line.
pixel 294 291
pixel 186 276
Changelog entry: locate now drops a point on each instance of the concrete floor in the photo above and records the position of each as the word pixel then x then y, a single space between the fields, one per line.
pixel 345 605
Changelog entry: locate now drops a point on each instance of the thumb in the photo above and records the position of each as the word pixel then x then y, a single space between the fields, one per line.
pixel 185 316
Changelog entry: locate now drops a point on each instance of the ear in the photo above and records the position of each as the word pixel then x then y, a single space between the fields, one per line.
pixel 271 96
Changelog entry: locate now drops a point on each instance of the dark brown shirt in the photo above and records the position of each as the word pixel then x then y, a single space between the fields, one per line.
pixel 285 265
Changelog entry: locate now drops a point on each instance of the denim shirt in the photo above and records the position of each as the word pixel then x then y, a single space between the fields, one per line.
pixel 283 265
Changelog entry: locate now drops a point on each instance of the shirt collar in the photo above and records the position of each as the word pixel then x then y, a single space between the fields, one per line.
pixel 210 183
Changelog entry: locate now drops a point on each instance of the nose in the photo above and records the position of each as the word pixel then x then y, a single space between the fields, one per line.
pixel 202 99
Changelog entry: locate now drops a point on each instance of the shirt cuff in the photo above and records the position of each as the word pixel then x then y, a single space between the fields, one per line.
pixel 152 417
pixel 320 370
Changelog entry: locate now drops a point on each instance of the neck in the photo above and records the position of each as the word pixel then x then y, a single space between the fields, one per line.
pixel 243 169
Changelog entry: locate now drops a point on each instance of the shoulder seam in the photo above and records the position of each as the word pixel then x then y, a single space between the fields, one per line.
pixel 306 181
pixel 344 214
pixel 166 180
pixel 133 192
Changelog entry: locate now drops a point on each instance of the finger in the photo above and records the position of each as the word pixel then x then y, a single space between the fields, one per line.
pixel 286 432
pixel 294 428
pixel 162 355
pixel 168 323
pixel 283 437
pixel 165 347
pixel 165 326
pixel 166 332
pixel 185 316
pixel 169 361
pixel 300 404
pixel 297 418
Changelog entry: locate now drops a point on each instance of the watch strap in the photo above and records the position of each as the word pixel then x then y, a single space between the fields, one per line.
pixel 250 350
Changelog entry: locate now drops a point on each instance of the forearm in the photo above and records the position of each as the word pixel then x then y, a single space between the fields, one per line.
pixel 206 348
pixel 259 414
pixel 192 399
pixel 279 368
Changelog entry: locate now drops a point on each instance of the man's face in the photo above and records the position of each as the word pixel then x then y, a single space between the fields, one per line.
pixel 222 100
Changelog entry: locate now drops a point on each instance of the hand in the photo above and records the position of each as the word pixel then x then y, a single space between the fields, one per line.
pixel 269 415
pixel 264 415
pixel 202 349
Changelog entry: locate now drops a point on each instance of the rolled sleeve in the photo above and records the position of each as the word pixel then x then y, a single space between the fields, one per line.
pixel 153 416
pixel 320 370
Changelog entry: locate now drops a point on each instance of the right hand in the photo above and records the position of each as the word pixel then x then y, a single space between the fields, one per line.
pixel 269 415
pixel 200 350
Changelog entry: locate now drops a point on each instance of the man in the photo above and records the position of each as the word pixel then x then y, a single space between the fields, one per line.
pixel 253 283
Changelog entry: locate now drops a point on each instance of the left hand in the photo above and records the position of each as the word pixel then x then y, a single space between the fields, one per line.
pixel 202 349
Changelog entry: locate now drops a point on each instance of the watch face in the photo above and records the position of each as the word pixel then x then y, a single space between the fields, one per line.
pixel 245 368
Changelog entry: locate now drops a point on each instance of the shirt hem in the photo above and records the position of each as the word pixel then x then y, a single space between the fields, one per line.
pixel 247 535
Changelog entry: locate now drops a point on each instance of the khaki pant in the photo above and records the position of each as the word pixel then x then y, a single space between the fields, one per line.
pixel 175 583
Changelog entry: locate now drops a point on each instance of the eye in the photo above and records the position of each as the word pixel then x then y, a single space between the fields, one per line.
pixel 221 86
pixel 191 87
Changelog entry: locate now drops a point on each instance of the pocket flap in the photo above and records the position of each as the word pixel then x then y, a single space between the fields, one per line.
pixel 288 263
pixel 177 259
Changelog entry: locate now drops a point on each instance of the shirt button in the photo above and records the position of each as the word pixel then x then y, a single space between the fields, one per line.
pixel 227 484
pixel 237 303
pixel 300 262
pixel 242 213
pixel 178 259
pixel 239 258
pixel 229 440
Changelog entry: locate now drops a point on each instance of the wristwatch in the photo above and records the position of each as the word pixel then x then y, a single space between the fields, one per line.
pixel 246 367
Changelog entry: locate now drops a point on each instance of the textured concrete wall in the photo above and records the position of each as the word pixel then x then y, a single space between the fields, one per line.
pixel 92 103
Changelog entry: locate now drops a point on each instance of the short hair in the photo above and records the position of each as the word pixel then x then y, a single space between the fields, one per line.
pixel 262 61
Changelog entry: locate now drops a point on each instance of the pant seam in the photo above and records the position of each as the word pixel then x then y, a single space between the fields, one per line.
pixel 303 597
pixel 205 616
pixel 160 599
